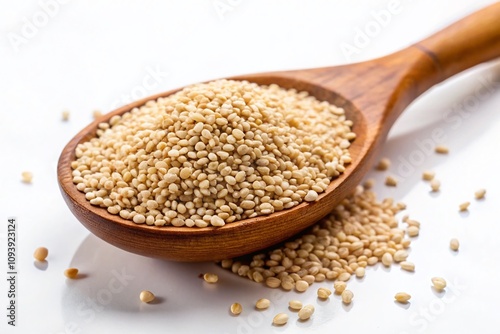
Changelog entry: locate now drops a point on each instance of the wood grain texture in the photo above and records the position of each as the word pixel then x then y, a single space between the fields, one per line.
pixel 373 93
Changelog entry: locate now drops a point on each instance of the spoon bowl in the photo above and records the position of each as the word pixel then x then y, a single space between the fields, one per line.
pixel 373 94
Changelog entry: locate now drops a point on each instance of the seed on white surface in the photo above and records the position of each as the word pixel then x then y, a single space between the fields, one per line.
pixel 146 296
pixel 306 312
pixel 41 253
pixel 26 177
pixel 400 255
pixel 65 115
pixel 236 308
pixel 383 164
pixel 295 304
pixel 454 244
pixel 408 266
pixel 435 185
pixel 280 319
pixel 210 277
pixel 428 175
pixel 439 283
pixel 480 193
pixel 368 184
pixel 301 285
pixel 96 114
pixel 413 231
pixel 339 287
pixel 464 206
pixel 71 272
pixel 402 297
pixel 360 272
pixel 347 296
pixel 324 293
pixel 262 304
pixel 391 181
pixel 441 149
pixel 387 259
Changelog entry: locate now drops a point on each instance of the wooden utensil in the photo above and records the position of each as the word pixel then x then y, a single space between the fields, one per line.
pixel 373 94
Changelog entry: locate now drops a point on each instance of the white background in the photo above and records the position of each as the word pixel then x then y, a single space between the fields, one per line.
pixel 86 55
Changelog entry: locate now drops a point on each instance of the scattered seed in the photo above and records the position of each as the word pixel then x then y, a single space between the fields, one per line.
pixel 306 312
pixel 360 272
pixel 347 296
pixel 435 185
pixel 391 181
pixel 368 184
pixel 41 253
pixel 454 244
pixel 413 231
pixel 96 114
pixel 439 283
pixel 441 149
pixel 262 304
pixel 428 175
pixel 301 285
pixel 236 308
pixel 339 287
pixel 71 272
pixel 65 115
pixel 400 255
pixel 27 177
pixel 280 319
pixel 295 304
pixel 383 164
pixel 464 206
pixel 210 278
pixel 408 266
pixel 480 193
pixel 387 259
pixel 402 297
pixel 146 296
pixel 324 293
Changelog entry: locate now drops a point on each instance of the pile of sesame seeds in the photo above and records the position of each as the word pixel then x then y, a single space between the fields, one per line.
pixel 214 153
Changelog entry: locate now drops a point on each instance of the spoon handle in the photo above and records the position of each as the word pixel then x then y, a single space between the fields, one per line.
pixel 468 42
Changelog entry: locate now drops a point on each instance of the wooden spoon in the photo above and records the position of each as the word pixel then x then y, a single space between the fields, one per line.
pixel 373 94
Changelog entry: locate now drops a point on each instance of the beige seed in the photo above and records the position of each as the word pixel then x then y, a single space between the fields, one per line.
pixel 262 304
pixel 439 283
pixel 408 266
pixel 400 255
pixel 236 308
pixel 146 296
pixel 273 282
pixel 480 194
pixel 435 185
pixel 280 319
pixel 347 296
pixel 210 277
pixel 368 184
pixel 464 206
pixel 41 253
pixel 26 177
pixel 301 285
pixel 65 115
pixel 360 272
pixel 454 244
pixel 383 164
pixel 413 231
pixel 387 259
pixel 306 312
pixel 402 297
pixel 339 287
pixel 96 114
pixel 441 149
pixel 324 293
pixel 428 175
pixel 71 273
pixel 391 181
pixel 311 196
pixel 295 304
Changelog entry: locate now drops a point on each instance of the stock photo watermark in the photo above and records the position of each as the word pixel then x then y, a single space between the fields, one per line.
pixel 150 81
pixel 88 309
pixel 452 119
pixel 31 25
pixel 222 7
pixel 421 319
pixel 365 34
